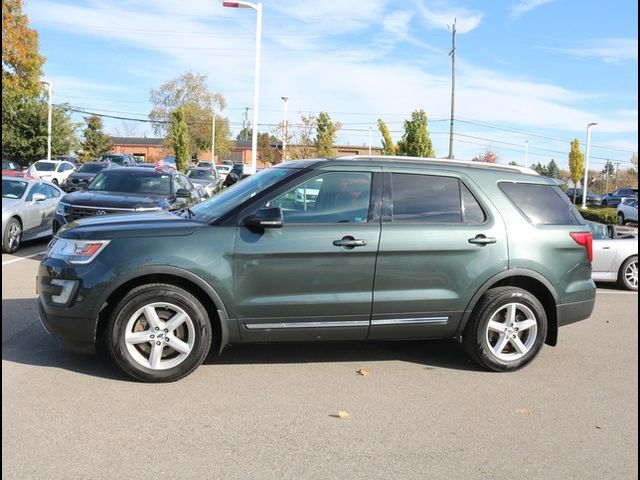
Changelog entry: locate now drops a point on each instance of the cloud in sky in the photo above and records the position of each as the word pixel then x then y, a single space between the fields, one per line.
pixel 466 20
pixel 610 50
pixel 524 6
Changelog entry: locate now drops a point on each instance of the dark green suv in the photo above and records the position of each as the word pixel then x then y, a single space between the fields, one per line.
pixel 351 248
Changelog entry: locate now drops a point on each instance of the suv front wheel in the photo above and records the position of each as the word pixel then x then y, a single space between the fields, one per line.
pixel 506 330
pixel 159 333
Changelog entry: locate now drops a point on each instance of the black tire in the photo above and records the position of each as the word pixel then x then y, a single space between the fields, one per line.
pixel 55 182
pixel 148 355
pixel 628 274
pixel 604 203
pixel 621 220
pixel 12 236
pixel 483 342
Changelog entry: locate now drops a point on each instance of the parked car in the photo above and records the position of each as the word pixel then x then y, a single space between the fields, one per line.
pixel 8 165
pixel 223 170
pixel 120 159
pixel 205 165
pixel 628 210
pixel 120 190
pixel 70 159
pixel 615 258
pixel 592 198
pixel 28 206
pixel 54 171
pixel 207 177
pixel 79 179
pixel 492 255
pixel 613 199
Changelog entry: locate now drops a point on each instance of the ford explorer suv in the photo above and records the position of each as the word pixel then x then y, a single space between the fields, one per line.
pixel 494 256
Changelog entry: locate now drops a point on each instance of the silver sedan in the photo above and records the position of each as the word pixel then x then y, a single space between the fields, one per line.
pixel 28 207
pixel 615 257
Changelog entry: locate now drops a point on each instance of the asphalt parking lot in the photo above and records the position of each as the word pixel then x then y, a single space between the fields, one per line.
pixel 271 411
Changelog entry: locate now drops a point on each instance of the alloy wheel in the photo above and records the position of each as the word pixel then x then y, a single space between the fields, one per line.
pixel 631 274
pixel 512 331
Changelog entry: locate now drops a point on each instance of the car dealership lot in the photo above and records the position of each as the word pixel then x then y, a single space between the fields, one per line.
pixel 266 411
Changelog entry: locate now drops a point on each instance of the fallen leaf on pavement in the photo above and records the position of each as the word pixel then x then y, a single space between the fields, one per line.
pixel 524 411
pixel 362 372
pixel 343 415
pixel 598 426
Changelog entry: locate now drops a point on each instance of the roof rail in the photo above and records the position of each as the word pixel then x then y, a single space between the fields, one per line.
pixel 439 161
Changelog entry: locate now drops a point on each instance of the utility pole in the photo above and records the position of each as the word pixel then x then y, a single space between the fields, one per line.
pixel 452 53
pixel 370 139
pixel 245 122
pixel 213 136
pixel 606 181
pixel 616 180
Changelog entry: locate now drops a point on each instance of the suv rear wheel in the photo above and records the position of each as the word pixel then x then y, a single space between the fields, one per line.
pixel 506 330
pixel 159 333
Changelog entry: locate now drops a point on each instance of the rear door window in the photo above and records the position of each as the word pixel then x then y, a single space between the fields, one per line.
pixel 542 204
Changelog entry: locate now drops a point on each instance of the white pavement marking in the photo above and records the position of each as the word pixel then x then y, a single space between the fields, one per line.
pixel 22 258
pixel 616 292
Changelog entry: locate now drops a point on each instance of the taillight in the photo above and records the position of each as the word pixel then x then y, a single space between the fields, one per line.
pixel 586 240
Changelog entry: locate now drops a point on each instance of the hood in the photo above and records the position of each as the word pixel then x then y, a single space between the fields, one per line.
pixel 81 176
pixel 202 181
pixel 155 224
pixel 115 200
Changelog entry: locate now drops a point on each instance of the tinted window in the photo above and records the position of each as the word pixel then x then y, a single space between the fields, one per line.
pixel 424 198
pixel 13 188
pixel 91 167
pixel 45 166
pixel 337 197
pixel 131 182
pixel 471 210
pixel 203 174
pixel 542 204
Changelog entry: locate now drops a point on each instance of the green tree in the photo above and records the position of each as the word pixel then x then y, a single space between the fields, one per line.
pixel 541 169
pixel 94 141
pixel 265 152
pixel 513 163
pixel 180 139
pixel 388 147
pixel 301 143
pixel 190 92
pixel 576 165
pixel 25 134
pixel 326 131
pixel 553 170
pixel 246 134
pixel 21 61
pixel 416 141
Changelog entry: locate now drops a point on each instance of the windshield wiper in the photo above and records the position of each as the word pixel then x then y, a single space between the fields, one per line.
pixel 190 212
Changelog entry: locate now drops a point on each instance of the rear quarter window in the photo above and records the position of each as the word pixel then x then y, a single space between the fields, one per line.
pixel 542 204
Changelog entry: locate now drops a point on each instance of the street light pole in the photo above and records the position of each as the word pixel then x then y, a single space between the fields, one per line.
pixel 370 140
pixel 285 130
pixel 48 85
pixel 213 135
pixel 256 91
pixel 586 166
pixel 526 153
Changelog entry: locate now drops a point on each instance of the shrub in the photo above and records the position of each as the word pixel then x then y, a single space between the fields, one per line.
pixel 600 214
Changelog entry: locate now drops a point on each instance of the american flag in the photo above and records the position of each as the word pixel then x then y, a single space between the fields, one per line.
pixel 160 166
pixel 31 172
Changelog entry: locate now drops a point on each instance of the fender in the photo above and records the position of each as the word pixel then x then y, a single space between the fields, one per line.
pixel 177 272
pixel 512 272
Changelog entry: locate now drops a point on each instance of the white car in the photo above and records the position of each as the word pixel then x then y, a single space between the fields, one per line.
pixel 628 211
pixel 223 170
pixel 615 258
pixel 28 207
pixel 54 171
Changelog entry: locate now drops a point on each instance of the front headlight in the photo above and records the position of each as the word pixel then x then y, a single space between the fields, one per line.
pixel 76 251
pixel 61 208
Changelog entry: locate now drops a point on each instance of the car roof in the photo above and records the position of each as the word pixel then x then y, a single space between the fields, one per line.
pixel 141 170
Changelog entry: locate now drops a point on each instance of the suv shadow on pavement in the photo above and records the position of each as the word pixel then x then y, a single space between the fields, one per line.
pixel 26 342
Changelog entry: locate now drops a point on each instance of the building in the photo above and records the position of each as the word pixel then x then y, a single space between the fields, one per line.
pixel 153 149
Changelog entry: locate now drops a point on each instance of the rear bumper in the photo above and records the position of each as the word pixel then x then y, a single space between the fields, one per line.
pixel 574 312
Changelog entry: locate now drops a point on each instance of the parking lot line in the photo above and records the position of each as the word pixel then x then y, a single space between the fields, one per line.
pixel 22 258
pixel 616 292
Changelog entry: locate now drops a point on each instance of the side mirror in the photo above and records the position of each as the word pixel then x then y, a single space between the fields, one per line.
pixel 183 193
pixel 268 217
pixel 38 197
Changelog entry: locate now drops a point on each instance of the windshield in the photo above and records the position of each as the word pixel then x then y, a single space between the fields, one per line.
pixel 45 166
pixel 132 182
pixel 13 188
pixel 91 168
pixel 113 158
pixel 201 174
pixel 238 193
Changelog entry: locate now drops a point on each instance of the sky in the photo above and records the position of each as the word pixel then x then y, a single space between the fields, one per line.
pixel 530 75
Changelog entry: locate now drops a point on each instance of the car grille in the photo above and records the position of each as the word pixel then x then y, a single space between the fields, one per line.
pixel 75 212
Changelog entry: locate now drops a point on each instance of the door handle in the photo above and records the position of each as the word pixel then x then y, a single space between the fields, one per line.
pixel 349 242
pixel 482 240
